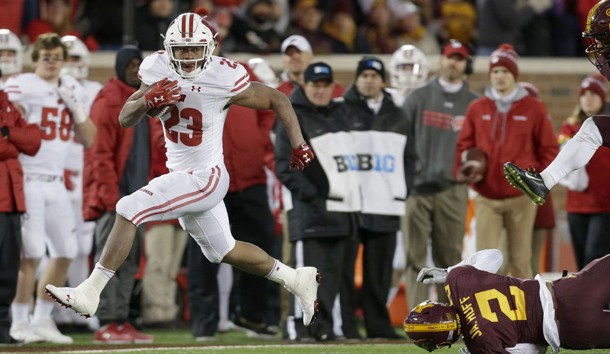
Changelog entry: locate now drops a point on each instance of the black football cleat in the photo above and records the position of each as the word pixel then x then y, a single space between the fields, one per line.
pixel 528 182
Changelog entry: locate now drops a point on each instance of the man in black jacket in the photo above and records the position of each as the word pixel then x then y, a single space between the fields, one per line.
pixel 381 152
pixel 321 237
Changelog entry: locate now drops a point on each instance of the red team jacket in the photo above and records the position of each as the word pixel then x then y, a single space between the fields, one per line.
pixel 23 137
pixel 105 160
pixel 596 198
pixel 523 136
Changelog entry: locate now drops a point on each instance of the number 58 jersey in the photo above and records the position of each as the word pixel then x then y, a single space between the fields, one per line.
pixel 44 107
pixel 193 128
pixel 496 312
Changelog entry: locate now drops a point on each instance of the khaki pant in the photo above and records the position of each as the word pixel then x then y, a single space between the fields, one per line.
pixel 440 218
pixel 515 215
pixel 164 245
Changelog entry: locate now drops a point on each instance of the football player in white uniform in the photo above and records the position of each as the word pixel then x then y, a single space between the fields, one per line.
pixel 56 105
pixel 408 71
pixel 11 55
pixel 77 66
pixel 190 90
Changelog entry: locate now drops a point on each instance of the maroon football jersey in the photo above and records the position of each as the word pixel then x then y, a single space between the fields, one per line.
pixel 496 311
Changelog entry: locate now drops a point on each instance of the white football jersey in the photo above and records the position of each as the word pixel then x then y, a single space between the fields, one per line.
pixel 193 131
pixel 44 107
pixel 74 160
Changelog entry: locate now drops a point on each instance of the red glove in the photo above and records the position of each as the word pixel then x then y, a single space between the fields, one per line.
pixel 301 157
pixel 162 93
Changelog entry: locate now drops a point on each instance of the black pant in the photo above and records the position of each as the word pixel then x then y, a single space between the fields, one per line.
pixel 378 253
pixel 589 236
pixel 251 221
pixel 10 251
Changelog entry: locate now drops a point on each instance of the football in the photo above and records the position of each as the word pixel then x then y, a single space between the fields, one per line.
pixel 158 112
pixel 474 166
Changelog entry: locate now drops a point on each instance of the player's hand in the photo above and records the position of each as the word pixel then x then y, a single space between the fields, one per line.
pixel 162 93
pixel 301 157
pixel 432 275
pixel 68 96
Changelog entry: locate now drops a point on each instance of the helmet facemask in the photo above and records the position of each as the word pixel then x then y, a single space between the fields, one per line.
pixel 598 51
pixel 189 43
pixel 11 61
pixel 77 63
pixel 408 68
pixel 432 325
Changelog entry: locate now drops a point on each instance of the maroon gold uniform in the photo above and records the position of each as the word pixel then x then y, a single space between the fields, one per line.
pixel 496 311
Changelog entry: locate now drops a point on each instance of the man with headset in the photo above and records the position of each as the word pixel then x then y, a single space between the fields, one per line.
pixel 436 207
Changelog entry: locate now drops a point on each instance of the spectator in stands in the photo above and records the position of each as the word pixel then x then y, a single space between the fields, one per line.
pixel 508 125
pixel 410 30
pixel 255 32
pixel 153 18
pixel 306 22
pixel 340 27
pixel 55 16
pixel 377 29
pixel 94 19
pixel 12 14
pixel 459 20
pixel 116 165
pixel 588 203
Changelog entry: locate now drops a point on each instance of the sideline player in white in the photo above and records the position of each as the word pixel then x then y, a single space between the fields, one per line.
pixel 77 66
pixel 408 71
pixel 191 90
pixel 56 105
pixel 11 55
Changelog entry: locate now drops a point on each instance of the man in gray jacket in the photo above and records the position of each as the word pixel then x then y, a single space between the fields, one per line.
pixel 436 207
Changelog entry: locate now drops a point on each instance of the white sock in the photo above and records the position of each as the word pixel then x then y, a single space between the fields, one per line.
pixel 225 282
pixel 20 311
pixel 283 274
pixel 98 278
pixel 576 153
pixel 79 270
pixel 43 309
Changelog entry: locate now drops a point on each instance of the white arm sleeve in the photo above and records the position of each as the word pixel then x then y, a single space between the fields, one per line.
pixel 489 260
pixel 527 348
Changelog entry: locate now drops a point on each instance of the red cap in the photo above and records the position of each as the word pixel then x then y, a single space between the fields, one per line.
pixel 455 47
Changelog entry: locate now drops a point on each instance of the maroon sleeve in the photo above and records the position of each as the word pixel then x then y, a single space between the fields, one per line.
pixel 496 312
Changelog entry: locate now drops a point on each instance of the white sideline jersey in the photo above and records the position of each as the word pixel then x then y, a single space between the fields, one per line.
pixel 193 131
pixel 44 107
pixel 74 160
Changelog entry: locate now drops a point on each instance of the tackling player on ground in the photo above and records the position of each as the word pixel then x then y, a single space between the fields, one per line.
pixel 196 88
pixel 594 132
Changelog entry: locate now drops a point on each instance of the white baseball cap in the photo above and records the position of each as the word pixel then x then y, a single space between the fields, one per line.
pixel 298 42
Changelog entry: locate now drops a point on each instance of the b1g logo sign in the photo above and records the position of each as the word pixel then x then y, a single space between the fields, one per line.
pixel 365 162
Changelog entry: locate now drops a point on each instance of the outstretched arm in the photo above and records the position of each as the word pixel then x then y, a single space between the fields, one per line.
pixel 259 96
pixel 134 109
pixel 489 260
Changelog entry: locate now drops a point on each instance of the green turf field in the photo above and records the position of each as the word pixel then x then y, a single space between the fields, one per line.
pixel 181 341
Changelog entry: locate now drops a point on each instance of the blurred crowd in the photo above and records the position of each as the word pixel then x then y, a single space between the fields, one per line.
pixel 533 27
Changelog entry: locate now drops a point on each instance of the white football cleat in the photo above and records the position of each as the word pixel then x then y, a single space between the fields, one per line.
pixel 306 292
pixel 22 332
pixel 47 330
pixel 78 299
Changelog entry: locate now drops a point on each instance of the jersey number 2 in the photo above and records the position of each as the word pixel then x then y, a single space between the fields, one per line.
pixel 517 314
pixel 191 138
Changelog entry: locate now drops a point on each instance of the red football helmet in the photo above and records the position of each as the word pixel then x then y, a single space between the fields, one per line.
pixel 597 37
pixel 432 325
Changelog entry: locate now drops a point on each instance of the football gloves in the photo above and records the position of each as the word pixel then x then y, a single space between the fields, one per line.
pixel 301 157
pixel 432 275
pixel 162 93
pixel 68 96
